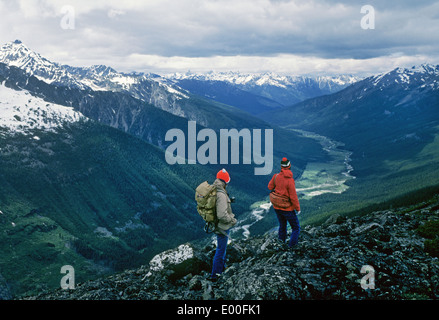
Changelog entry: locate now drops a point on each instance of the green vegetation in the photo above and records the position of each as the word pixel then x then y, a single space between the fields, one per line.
pixel 91 197
pixel 430 231
pixel 404 174
pixel 393 137
pixel 100 200
pixel 432 246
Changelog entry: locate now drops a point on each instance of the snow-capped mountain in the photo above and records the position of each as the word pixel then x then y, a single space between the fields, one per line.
pixel 89 191
pixel 283 89
pixel 254 93
pixel 267 79
pixel 21 112
pixel 150 88
pixel 422 76
pixel 383 94
pixel 86 192
pixel 19 55
pixel 392 115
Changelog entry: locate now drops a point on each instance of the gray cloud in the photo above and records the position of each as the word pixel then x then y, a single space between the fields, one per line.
pixel 181 32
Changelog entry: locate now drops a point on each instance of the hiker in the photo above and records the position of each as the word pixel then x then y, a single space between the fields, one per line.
pixel 283 186
pixel 226 220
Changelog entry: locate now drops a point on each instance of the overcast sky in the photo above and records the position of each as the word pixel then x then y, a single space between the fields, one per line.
pixel 283 36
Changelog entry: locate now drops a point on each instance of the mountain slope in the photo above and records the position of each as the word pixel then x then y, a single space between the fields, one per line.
pixel 88 195
pixel 127 108
pixel 146 106
pixel 75 191
pixel 147 89
pixel 399 109
pixel 131 115
pixel 21 112
pixel 230 94
pixel 93 190
pixel 391 124
pixel 116 109
pixel 327 264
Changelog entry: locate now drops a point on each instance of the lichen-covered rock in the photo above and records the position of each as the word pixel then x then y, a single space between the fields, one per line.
pixel 326 264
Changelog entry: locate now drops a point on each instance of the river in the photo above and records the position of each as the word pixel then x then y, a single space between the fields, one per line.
pixel 318 178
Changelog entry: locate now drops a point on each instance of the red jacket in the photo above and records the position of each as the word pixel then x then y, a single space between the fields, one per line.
pixel 286 186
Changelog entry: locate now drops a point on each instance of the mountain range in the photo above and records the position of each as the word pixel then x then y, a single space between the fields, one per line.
pixel 252 92
pixel 257 93
pixel 390 122
pixel 85 180
pixel 400 109
pixel 84 176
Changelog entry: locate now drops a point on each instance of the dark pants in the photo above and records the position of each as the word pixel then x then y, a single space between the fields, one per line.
pixel 291 218
pixel 219 260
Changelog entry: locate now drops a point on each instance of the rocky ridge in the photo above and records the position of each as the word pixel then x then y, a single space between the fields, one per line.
pixel 326 264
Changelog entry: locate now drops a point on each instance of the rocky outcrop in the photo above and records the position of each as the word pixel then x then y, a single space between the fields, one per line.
pixel 326 264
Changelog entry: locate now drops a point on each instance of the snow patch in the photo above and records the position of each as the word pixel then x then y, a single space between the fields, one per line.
pixel 176 92
pixel 21 112
pixel 124 81
pixel 264 79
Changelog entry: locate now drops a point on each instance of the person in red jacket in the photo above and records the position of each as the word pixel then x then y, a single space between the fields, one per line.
pixel 283 183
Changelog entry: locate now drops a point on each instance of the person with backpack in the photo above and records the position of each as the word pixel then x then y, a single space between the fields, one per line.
pixel 285 202
pixel 225 219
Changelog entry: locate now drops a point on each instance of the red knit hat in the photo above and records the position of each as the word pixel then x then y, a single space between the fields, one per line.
pixel 285 163
pixel 223 175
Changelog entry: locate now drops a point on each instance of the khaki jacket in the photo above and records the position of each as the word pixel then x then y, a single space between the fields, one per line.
pixel 226 218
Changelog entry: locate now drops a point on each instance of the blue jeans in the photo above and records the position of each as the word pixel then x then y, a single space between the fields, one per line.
pixel 219 260
pixel 291 218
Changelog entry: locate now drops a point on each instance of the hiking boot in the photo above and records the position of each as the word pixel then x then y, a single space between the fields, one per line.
pixel 212 278
pixel 281 245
